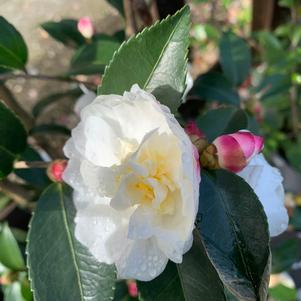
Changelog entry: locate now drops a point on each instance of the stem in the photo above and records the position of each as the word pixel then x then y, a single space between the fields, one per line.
pixel 154 10
pixel 4 213
pixel 33 164
pixel 46 77
pixel 130 21
pixel 17 193
pixel 7 96
pixel 143 11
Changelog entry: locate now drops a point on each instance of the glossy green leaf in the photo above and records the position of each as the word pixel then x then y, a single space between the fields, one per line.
pixel 195 279
pixel 12 139
pixel 10 254
pixel 295 220
pixel 60 268
pixel 214 86
pixel 13 50
pixel 222 121
pixel 235 58
pixel 154 59
pixel 285 255
pixel 92 58
pixel 234 228
pixel 65 32
pixel 271 47
pixel 121 291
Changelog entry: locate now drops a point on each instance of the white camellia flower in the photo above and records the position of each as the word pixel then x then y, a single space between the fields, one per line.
pixel 83 101
pixel 266 181
pixel 135 176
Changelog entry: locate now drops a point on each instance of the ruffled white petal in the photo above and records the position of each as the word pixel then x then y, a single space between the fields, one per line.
pixel 136 183
pixel 103 230
pixel 141 260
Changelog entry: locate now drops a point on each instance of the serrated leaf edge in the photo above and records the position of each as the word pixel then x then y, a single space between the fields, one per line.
pixel 138 36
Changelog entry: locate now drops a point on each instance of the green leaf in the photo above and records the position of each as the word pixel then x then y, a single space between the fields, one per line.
pixel 43 103
pixel 118 4
pixel 60 268
pixel 274 84
pixel 50 128
pixel 10 254
pixel 235 58
pixel 222 121
pixel 92 58
pixel 195 279
pixel 271 47
pixel 13 50
pixel 12 139
pixel 295 220
pixel 234 228
pixel 283 293
pixel 285 255
pixel 154 59
pixel 121 291
pixel 214 86
pixel 65 32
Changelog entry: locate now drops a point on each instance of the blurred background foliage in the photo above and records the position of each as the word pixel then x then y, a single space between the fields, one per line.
pixel 245 63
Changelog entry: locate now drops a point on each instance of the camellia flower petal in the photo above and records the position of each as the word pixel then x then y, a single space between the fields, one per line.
pixel 135 177
pixel 266 182
pixel 83 101
pixel 234 151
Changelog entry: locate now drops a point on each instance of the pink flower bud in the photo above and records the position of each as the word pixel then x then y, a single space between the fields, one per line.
pixel 192 130
pixel 56 169
pixel 85 27
pixel 234 151
pixel 132 288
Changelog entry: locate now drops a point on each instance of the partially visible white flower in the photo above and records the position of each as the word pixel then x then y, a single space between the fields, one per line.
pixel 266 181
pixel 135 177
pixel 83 101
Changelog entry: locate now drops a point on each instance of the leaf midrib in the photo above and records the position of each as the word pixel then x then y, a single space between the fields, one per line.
pixel 70 241
pixel 162 52
pixel 227 210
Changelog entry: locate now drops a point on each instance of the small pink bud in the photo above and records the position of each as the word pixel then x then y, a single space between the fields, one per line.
pixel 234 151
pixel 56 169
pixel 85 27
pixel 132 288
pixel 192 130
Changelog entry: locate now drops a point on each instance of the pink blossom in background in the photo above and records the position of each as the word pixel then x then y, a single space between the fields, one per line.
pixel 85 27
pixel 234 151
pixel 132 288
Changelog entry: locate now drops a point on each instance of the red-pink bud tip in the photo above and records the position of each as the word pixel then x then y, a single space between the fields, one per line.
pixel 85 27
pixel 192 129
pixel 56 169
pixel 132 288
